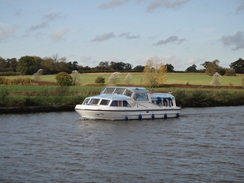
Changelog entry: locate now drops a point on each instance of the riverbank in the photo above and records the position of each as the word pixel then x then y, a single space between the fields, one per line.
pixel 25 99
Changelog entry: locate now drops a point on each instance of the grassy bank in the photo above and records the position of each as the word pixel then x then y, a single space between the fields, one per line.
pixel 22 96
pixel 190 90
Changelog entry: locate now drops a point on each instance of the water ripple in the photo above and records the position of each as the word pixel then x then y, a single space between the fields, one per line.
pixel 204 145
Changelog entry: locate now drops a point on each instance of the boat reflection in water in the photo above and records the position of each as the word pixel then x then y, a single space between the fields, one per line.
pixel 125 103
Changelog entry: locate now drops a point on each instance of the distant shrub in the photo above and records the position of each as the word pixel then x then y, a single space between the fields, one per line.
pixel 114 78
pixel 216 81
pixel 230 72
pixel 64 79
pixel 128 79
pixel 37 76
pixel 3 80
pixel 75 77
pixel 100 80
pixel 19 81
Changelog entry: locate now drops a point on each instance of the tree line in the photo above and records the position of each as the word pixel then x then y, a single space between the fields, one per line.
pixel 28 65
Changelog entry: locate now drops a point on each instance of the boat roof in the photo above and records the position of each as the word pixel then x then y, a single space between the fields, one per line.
pixel 134 89
pixel 111 97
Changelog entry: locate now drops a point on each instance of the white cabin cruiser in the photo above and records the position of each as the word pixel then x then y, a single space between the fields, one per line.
pixel 125 103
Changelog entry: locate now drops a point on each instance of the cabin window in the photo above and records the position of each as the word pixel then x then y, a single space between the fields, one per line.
pixel 119 91
pixel 116 103
pixel 109 91
pixel 128 93
pixel 126 104
pixel 94 101
pixel 141 97
pixel 104 102
pixel 86 101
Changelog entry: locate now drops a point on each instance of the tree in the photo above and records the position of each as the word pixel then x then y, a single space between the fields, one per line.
pixel 213 67
pixel 26 65
pixel 64 79
pixel 100 80
pixel 48 66
pixel 128 78
pixel 36 76
pixel 114 78
pixel 238 66
pixel 139 68
pixel 170 68
pixel 216 81
pixel 75 77
pixel 155 74
pixel 192 68
pixel 120 66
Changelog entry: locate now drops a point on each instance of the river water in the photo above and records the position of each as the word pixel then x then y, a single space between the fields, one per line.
pixel 203 145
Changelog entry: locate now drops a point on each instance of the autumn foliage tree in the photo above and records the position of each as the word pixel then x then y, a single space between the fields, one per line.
pixel 155 74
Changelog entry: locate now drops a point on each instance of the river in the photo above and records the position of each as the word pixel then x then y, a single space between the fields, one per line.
pixel 203 145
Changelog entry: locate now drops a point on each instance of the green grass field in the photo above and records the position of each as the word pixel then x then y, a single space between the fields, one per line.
pixel 42 95
pixel 137 79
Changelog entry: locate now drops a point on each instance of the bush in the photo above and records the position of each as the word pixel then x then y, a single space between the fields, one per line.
pixel 64 79
pixel 3 80
pixel 100 80
pixel 19 81
pixel 230 72
pixel 114 78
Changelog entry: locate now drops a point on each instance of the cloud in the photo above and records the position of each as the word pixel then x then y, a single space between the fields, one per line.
pixel 170 4
pixel 171 39
pixel 6 33
pixel 153 4
pixel 129 36
pixel 107 36
pixel 112 4
pixel 58 35
pixel 240 8
pixel 46 20
pixel 104 37
pixel 236 41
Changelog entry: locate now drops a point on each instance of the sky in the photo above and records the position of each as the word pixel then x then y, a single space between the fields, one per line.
pixel 177 32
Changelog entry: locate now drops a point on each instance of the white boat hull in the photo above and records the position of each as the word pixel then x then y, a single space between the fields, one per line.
pixel 129 114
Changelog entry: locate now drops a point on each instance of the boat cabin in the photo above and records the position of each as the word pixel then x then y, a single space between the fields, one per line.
pixel 128 96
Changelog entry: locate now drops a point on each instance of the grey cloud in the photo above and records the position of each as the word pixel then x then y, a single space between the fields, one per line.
pixel 236 41
pixel 153 4
pixel 104 37
pixel 240 8
pixel 107 36
pixel 171 39
pixel 46 20
pixel 129 36
pixel 171 4
pixel 113 3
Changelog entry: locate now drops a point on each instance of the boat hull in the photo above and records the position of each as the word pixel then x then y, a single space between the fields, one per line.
pixel 129 114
